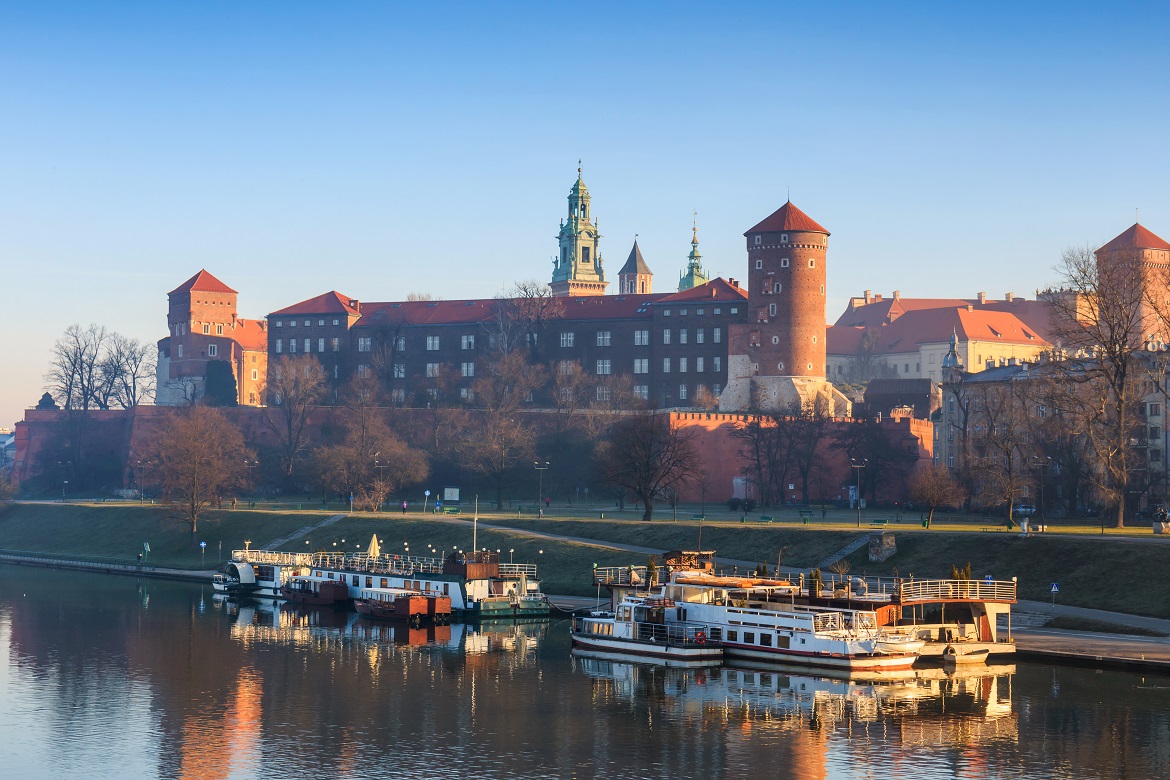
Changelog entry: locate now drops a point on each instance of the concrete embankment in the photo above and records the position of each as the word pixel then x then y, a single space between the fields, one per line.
pixel 107 568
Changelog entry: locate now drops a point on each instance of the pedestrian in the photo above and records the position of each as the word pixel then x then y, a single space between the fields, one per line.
pixel 233 502
pixel 404 506
pixel 547 502
pixel 139 559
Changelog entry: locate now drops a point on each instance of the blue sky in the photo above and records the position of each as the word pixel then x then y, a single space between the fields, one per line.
pixel 382 148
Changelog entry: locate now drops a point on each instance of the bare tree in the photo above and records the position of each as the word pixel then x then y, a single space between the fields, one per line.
pixel 935 486
pixel 520 319
pixel 198 455
pixel 1101 320
pixel 134 369
pixel 648 456
pixel 763 447
pixel 295 388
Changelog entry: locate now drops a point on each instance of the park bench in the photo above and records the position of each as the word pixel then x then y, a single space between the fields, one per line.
pixel 766 518
pixel 805 516
pixel 698 517
pixel 879 522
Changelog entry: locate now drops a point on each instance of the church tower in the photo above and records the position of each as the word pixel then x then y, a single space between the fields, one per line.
pixel 695 275
pixel 577 268
pixel 635 278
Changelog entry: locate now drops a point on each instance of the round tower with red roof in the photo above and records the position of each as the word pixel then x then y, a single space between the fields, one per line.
pixel 786 294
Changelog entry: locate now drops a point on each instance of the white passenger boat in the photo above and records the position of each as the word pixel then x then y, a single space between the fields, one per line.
pixel 762 622
pixel 479 586
pixel 638 629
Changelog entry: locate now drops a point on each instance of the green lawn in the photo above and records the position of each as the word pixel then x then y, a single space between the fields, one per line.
pixel 1121 572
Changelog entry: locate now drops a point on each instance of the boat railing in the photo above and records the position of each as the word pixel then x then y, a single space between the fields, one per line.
pixel 517 569
pixel 272 557
pixel 910 591
pixel 621 575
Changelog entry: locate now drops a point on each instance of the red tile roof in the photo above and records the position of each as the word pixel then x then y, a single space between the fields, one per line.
pixel 1036 315
pixel 934 326
pixel 483 310
pixel 251 335
pixel 202 282
pixel 787 217
pixel 1136 237
pixel 718 290
pixel 331 302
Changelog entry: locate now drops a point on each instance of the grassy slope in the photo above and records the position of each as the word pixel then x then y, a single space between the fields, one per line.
pixel 1122 574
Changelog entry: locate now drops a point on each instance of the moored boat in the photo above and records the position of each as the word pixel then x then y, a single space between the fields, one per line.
pixel 400 604
pixel 957 655
pixel 639 629
pixel 303 590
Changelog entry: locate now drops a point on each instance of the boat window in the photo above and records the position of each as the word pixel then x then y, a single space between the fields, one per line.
pixel 748 638
pixel 446 589
pixel 732 636
pixel 765 680
pixel 716 634
pixel 383 582
pixel 765 640
pixel 369 582
pixel 355 580
pixel 330 575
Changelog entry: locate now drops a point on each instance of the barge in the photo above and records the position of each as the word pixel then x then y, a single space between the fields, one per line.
pixel 639 629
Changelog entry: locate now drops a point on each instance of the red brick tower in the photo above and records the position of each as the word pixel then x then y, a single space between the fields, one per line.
pixel 786 294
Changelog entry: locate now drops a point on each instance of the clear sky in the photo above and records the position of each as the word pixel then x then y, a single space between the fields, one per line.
pixel 383 148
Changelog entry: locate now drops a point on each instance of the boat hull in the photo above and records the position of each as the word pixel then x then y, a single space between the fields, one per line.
pixel 671 654
pixel 845 662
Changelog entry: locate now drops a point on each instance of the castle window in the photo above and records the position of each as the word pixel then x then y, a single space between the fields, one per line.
pixel 812 263
pixel 585 254
pixel 682 335
pixel 735 310
pixel 279 324
pixel 698 335
pixel 771 310
pixel 783 238
pixel 759 240
pixel 809 367
pixel 603 367
pixel 716 364
pixel 335 344
pixel 641 338
pixel 779 366
pixel 642 365
pixel 467 342
pixel 277 347
pixel 716 390
pixel 775 339
pixel 400 371
pixel 308 323
pixel 814 339
pixel 759 264
pixel 292 346
pixel 321 322
pixel 565 367
pixel 206 328
pixel 567 339
pixel 682 392
pixel 604 393
pixel 363 370
pixel 666 365
pixel 468 369
pixel 699 364
pixel 603 337
pixel 308 345
pixel 432 370
pixel 699 312
pixel 400 344
pixel 219 330
pixel 642 391
pixel 682 365
pixel 292 323
pixel 432 343
pixel 783 262
pixel 320 345
pixel 717 335
pixel 777 287
pixel 682 312
pixel 181 348
pixel 822 289
pixel 666 312
pixel 666 336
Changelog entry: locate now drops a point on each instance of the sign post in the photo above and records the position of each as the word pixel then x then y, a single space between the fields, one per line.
pixel 426 497
pixel 202 554
pixel 1054 589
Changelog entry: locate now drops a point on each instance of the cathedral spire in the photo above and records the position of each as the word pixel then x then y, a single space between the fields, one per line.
pixel 578 267
pixel 695 275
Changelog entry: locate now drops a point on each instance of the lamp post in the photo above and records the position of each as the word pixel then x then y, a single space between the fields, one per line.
pixel 142 481
pixel 540 487
pixel 510 551
pixel 858 465
pixel 64 485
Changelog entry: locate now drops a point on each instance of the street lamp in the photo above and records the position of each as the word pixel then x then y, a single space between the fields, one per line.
pixel 510 551
pixel 142 480
pixel 858 465
pixel 64 485
pixel 540 488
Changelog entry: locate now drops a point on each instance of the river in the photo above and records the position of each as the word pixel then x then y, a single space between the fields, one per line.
pixel 107 676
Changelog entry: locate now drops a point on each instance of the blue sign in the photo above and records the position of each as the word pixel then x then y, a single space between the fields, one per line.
pixel 1055 588
pixel 203 544
pixel 989 580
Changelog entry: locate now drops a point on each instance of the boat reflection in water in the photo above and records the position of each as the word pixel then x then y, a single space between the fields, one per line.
pixel 927 706
pixel 325 628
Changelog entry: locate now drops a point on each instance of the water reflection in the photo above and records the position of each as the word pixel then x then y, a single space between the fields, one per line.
pixel 109 677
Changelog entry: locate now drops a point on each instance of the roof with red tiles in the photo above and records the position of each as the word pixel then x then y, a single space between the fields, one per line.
pixel 717 290
pixel 251 335
pixel 787 217
pixel 1036 315
pixel 935 326
pixel 331 302
pixel 1135 237
pixel 484 310
pixel 202 282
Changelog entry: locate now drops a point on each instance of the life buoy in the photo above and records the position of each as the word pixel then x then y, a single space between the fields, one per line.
pixel 700 638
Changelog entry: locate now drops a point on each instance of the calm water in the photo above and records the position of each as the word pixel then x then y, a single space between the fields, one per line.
pixel 112 677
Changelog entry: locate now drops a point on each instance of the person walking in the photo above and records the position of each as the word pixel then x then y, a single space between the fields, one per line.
pixel 404 506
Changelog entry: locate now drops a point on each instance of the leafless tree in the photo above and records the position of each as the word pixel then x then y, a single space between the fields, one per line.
pixel 296 385
pixel 935 486
pixel 198 455
pixel 521 317
pixel 1101 321
pixel 1002 441
pixel 648 456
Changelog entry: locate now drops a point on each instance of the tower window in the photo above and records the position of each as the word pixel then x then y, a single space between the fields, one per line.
pixel 212 350
pixel 759 264
pixel 771 310
pixel 206 328
pixel 812 263
pixel 783 238
pixel 783 262
pixel 585 254
pixel 219 330
pixel 759 240
pixel 775 340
